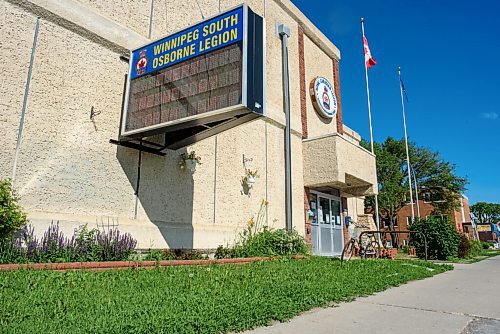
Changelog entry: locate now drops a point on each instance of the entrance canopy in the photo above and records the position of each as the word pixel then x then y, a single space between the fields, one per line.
pixel 334 161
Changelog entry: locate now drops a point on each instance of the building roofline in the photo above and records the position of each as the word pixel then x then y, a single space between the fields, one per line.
pixel 310 29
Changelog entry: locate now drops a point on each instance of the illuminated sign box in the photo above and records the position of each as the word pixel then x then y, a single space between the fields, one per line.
pixel 197 82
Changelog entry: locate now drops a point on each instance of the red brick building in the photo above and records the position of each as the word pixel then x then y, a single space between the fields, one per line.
pixel 460 217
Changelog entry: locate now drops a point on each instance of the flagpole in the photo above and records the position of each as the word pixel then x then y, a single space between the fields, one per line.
pixel 406 143
pixel 377 220
pixel 416 192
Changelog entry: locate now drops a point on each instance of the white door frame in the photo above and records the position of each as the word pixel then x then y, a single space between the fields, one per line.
pixel 332 225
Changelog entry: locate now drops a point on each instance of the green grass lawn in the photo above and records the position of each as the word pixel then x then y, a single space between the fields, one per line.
pixel 484 254
pixel 201 299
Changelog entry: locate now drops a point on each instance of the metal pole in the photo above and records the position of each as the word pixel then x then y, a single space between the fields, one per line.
pixel 406 144
pixel 25 100
pixel 138 183
pixel 215 177
pixel 284 33
pixel 377 219
pixel 416 192
pixel 151 9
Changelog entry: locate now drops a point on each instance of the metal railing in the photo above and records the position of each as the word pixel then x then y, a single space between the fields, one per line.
pixel 395 232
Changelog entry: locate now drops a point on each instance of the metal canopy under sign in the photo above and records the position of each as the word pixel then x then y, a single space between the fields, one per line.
pixel 195 83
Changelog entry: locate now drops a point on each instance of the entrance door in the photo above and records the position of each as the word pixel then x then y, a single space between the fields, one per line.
pixel 327 234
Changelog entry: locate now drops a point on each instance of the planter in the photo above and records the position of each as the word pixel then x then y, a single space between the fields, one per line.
pixel 251 180
pixel 191 164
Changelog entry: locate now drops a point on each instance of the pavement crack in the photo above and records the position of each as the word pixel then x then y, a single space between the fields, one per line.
pixel 431 310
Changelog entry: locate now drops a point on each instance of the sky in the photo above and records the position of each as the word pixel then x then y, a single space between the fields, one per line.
pixel 449 53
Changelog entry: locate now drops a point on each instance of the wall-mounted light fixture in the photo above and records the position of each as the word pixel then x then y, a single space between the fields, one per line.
pixel 93 113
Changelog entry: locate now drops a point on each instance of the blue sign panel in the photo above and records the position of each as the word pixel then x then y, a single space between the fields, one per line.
pixel 202 38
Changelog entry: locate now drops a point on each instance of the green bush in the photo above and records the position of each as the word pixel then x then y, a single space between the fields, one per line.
pixel 173 254
pixel 486 245
pixel 442 238
pixel 12 217
pixel 270 242
pixel 223 252
pixel 476 248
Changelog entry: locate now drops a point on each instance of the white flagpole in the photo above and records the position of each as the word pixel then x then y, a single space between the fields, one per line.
pixel 416 192
pixel 406 143
pixel 377 219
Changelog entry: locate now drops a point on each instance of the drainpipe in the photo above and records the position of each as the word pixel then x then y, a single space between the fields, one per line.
pixel 284 33
pixel 25 101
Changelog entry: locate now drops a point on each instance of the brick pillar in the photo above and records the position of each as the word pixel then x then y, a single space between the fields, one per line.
pixel 302 80
pixel 307 225
pixel 336 84
pixel 344 214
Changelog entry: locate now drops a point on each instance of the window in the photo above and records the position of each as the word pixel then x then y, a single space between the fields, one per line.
pixel 443 217
pixel 387 222
pixel 433 196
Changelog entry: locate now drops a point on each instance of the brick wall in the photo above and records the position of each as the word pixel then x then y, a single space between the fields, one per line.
pixel 336 84
pixel 426 209
pixel 343 201
pixel 307 226
pixel 303 117
pixel 302 79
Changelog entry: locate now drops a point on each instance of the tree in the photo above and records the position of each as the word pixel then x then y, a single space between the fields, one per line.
pixel 432 174
pixel 485 213
pixel 12 216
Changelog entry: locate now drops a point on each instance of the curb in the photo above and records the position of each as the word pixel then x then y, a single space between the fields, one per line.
pixel 121 265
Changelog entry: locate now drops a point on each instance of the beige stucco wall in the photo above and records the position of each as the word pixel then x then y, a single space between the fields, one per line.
pixel 15 44
pixel 68 170
pixel 317 64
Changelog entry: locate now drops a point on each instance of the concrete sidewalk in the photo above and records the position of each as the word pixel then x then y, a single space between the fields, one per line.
pixel 465 300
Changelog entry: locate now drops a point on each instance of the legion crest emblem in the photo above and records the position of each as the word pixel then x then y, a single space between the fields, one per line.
pixel 142 63
pixel 326 99
pixel 323 97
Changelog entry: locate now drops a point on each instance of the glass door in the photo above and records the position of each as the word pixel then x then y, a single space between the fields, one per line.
pixel 325 226
pixel 337 228
pixel 327 233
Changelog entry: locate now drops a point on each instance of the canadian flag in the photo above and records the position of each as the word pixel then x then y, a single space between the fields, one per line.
pixel 368 55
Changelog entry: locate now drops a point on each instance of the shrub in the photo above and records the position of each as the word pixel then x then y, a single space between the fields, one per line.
pixel 182 254
pixel 114 246
pixel 85 245
pixel 486 245
pixel 270 242
pixel 442 238
pixel 476 248
pixel 154 255
pixel 223 252
pixel 12 217
pixel 173 254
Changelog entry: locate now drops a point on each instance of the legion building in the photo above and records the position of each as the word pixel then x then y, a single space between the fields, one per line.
pixel 178 121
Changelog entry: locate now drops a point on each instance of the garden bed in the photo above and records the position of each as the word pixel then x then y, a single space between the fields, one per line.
pixel 115 265
pixel 190 299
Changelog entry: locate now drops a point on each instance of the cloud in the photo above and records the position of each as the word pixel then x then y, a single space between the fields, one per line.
pixel 490 115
